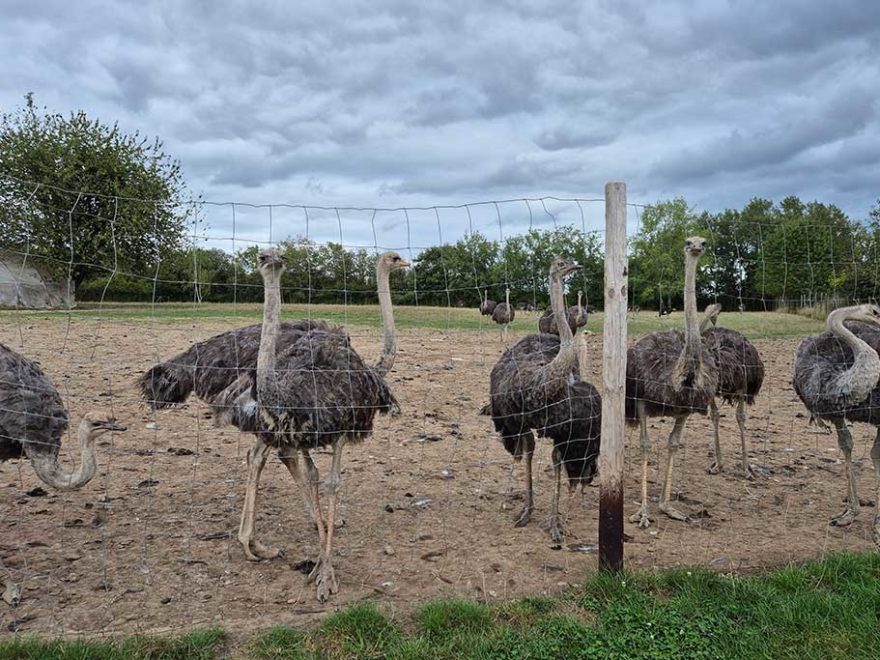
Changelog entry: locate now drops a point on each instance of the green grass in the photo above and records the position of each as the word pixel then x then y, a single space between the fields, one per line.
pixel 824 609
pixel 752 324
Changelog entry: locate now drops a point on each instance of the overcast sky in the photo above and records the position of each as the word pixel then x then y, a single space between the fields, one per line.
pixel 399 103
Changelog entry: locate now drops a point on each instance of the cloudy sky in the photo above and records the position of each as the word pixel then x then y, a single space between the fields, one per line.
pixel 389 103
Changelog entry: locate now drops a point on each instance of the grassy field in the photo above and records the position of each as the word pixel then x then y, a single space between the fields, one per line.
pixel 826 609
pixel 753 324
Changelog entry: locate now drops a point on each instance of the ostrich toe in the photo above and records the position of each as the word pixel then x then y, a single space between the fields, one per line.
pixel 256 551
pixel 523 517
pixel 324 578
pixel 557 531
pixel 845 517
pixel 641 517
pixel 11 593
pixel 673 513
pixel 715 468
pixel 875 531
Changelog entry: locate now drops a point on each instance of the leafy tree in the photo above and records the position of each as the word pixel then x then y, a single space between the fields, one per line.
pixel 87 196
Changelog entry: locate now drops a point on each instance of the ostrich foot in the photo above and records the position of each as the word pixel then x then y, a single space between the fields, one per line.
pixel 11 593
pixel 641 517
pixel 522 519
pixel 747 472
pixel 256 551
pixel 715 468
pixel 557 531
pixel 673 513
pixel 845 518
pixel 875 531
pixel 324 578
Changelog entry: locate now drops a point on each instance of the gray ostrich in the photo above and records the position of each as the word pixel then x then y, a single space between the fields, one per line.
pixel 670 374
pixel 487 307
pixel 836 375
pixel 740 376
pixel 535 387
pixel 504 313
pixel 32 423
pixel 222 372
pixel 576 316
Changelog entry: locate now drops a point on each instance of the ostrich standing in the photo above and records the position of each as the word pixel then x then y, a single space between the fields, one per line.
pixel 576 316
pixel 836 375
pixel 221 372
pixel 503 314
pixel 535 387
pixel 487 306
pixel 670 374
pixel 32 423
pixel 740 376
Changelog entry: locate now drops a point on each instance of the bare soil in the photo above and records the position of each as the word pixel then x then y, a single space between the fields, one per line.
pixel 428 502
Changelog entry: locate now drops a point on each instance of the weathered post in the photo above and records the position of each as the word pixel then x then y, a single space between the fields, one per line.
pixel 614 380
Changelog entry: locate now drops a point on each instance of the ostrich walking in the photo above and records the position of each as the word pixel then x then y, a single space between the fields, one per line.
pixel 503 314
pixel 535 387
pixel 836 375
pixel 670 374
pixel 740 376
pixel 487 306
pixel 32 423
pixel 576 316
pixel 221 372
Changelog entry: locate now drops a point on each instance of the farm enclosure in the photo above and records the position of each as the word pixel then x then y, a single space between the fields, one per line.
pixel 428 501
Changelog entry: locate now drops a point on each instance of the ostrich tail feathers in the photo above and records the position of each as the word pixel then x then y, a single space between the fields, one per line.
pixel 165 385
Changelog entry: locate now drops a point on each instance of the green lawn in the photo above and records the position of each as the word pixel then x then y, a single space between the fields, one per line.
pixel 825 609
pixel 753 324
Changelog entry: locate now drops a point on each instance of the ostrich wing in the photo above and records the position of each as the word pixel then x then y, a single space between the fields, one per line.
pixel 740 368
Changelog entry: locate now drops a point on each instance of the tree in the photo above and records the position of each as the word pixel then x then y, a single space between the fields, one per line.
pixel 86 196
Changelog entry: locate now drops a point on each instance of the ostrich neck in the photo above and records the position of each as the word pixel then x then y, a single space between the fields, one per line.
pixel 269 336
pixel 562 364
pixel 389 339
pixel 857 382
pixel 46 465
pixel 691 325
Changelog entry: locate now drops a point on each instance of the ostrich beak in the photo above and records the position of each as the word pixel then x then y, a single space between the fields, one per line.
pixel 112 425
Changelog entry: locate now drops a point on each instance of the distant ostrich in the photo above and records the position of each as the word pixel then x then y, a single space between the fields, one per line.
pixel 740 376
pixel 503 314
pixel 535 387
pixel 222 371
pixel 670 373
pixel 576 316
pixel 487 306
pixel 836 375
pixel 32 423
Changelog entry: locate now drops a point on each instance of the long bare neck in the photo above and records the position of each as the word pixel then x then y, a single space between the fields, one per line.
pixel 566 358
pixel 690 361
pixel 46 464
pixel 389 339
pixel 861 378
pixel 271 326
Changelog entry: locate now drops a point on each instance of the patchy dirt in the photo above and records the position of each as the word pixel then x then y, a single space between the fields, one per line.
pixel 149 545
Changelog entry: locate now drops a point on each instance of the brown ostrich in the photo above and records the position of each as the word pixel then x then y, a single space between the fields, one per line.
pixel 576 316
pixel 503 314
pixel 670 374
pixel 487 306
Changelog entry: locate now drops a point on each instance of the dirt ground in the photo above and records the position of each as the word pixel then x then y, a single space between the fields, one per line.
pixel 149 545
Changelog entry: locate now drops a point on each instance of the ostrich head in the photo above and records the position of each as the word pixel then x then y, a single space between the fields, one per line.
pixel 712 312
pixel 271 262
pixel 865 313
pixel 694 246
pixel 391 261
pixel 560 267
pixel 97 423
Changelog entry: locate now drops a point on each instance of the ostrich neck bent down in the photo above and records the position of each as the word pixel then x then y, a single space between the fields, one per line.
pixel 691 359
pixel 857 382
pixel 565 359
pixel 389 339
pixel 46 465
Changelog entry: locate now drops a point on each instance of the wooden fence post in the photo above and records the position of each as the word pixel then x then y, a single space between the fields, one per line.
pixel 614 380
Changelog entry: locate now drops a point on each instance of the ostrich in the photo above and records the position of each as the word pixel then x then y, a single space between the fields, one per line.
pixel 503 314
pixel 32 423
pixel 576 316
pixel 670 373
pixel 740 376
pixel 487 306
pixel 221 372
pixel 836 376
pixel 535 387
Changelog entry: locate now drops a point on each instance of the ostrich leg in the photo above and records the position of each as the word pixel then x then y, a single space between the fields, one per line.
pixel 875 458
pixel 716 467
pixel 323 574
pixel 313 506
pixel 253 549
pixel 641 516
pixel 741 422
pixel 845 442
pixel 11 594
pixel 523 518
pixel 557 532
pixel 674 444
pixel 291 462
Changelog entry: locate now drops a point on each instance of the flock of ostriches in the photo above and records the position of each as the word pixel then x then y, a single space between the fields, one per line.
pixel 301 386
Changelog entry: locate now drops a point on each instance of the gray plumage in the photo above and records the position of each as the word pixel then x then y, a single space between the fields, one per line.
pixel 740 368
pixel 576 317
pixel 487 307
pixel 503 313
